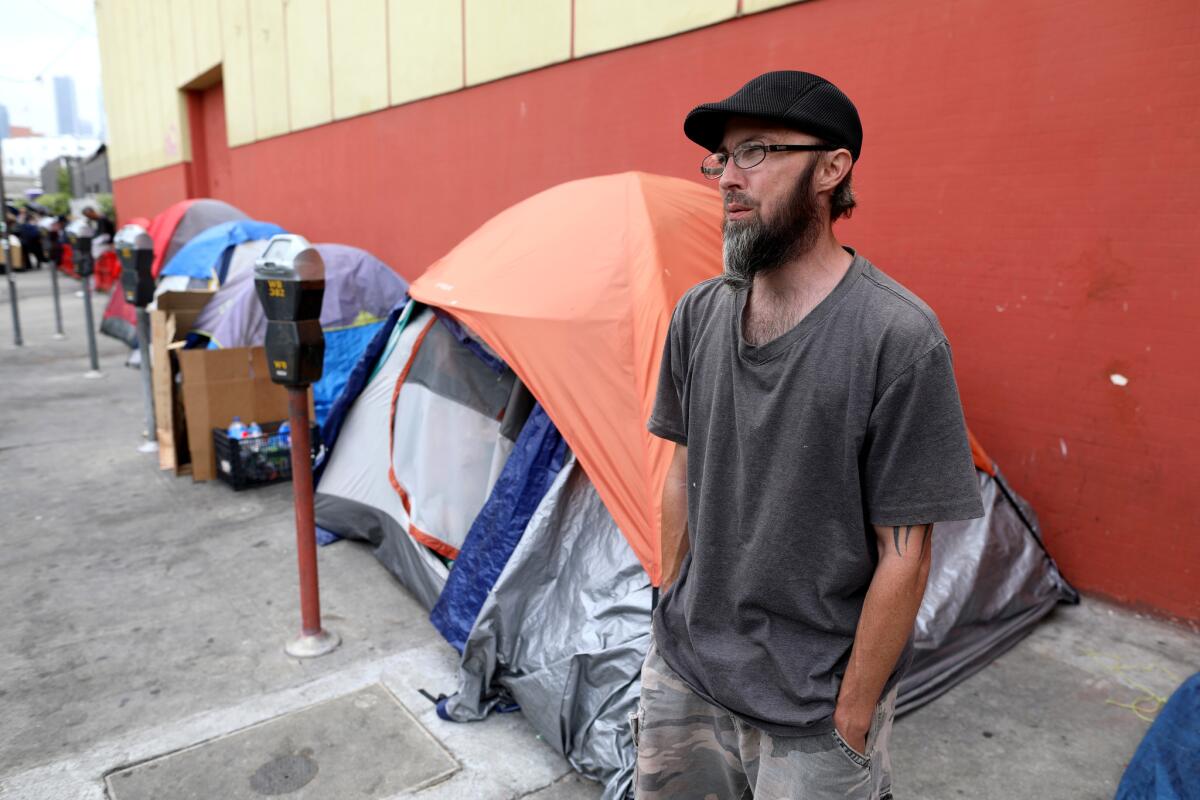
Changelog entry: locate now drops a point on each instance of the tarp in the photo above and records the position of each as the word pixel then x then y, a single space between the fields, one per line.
pixel 563 633
pixel 1166 765
pixel 586 274
pixel 536 459
pixel 201 257
pixel 360 290
pixel 991 580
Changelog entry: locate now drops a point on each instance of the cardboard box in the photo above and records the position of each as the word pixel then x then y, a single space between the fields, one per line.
pixel 169 325
pixel 219 385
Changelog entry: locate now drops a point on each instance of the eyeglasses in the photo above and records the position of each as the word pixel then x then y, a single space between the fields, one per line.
pixel 751 154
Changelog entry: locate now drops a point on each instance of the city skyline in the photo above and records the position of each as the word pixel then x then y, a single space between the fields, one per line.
pixel 55 38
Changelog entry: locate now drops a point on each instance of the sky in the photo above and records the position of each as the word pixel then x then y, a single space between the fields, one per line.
pixel 42 39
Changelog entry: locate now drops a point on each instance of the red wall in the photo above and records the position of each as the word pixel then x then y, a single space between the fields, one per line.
pixel 1029 168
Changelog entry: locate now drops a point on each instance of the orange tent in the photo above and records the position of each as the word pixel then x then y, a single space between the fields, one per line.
pixel 574 289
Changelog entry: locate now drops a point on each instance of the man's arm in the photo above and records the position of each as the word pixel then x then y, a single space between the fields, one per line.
pixel 890 608
pixel 674 517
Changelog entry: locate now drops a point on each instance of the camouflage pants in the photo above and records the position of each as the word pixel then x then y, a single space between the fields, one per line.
pixel 688 749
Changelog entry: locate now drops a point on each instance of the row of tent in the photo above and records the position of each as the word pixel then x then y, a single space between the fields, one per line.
pixel 210 245
pixel 489 445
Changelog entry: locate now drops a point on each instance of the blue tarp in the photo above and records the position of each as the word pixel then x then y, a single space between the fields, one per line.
pixel 201 257
pixel 536 459
pixel 1166 765
pixel 342 350
pixel 356 381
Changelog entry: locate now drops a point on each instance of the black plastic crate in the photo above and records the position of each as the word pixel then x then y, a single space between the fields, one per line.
pixel 257 460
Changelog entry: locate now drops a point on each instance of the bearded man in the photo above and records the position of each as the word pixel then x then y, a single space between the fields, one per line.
pixel 818 437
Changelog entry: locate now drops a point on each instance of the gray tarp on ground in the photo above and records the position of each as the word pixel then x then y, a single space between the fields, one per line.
pixel 563 633
pixel 564 630
pixel 990 582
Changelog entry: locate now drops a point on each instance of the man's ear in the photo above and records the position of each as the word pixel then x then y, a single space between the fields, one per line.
pixel 833 169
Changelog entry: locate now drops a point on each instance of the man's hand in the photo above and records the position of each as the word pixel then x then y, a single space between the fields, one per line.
pixel 888 613
pixel 853 725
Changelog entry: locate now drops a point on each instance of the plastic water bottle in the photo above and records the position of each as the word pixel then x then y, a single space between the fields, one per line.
pixel 253 430
pixel 236 429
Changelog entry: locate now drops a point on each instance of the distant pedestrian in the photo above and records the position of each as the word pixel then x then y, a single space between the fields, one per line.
pixel 104 226
pixel 818 437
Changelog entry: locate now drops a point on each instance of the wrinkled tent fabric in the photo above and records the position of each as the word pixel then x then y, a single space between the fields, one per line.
pixel 990 581
pixel 563 633
pixel 531 467
pixel 354 496
pixel 201 257
pixel 161 227
pixel 589 272
pixel 359 291
pixel 411 461
pixel 199 216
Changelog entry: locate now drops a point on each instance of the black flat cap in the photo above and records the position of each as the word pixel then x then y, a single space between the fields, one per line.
pixel 791 98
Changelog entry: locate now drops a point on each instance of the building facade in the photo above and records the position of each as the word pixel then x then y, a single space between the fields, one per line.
pixel 66 107
pixel 1028 168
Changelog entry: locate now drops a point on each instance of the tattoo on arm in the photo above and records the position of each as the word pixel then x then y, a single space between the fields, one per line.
pixel 922 530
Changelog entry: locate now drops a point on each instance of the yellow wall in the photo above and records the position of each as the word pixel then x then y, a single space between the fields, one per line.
pixel 287 65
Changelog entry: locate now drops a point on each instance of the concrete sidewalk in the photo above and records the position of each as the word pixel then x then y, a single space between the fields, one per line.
pixel 148 615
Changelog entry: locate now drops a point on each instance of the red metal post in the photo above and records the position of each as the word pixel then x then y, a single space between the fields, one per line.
pixel 306 531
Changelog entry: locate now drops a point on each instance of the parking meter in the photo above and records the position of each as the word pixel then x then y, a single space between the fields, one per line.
pixel 80 234
pixel 135 249
pixel 49 236
pixel 289 278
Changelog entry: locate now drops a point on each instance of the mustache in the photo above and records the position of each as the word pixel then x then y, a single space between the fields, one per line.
pixel 738 198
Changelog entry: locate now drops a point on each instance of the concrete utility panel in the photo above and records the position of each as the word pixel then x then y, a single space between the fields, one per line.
pixel 364 744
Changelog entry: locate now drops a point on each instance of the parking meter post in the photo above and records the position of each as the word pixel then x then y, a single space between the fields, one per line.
pixel 80 234
pixel 289 279
pixel 8 265
pixel 306 527
pixel 12 286
pixel 89 320
pixel 58 328
pixel 143 333
pixel 135 250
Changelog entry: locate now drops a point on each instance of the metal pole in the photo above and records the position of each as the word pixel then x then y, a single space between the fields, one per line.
pixel 313 640
pixel 143 330
pixel 8 265
pixel 94 372
pixel 58 328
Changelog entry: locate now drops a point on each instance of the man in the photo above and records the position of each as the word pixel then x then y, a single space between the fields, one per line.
pixel 818 438
pixel 103 225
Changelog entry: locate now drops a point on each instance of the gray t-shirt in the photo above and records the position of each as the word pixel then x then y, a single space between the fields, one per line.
pixel 795 448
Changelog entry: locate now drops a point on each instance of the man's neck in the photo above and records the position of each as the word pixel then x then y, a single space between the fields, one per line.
pixel 816 271
pixel 781 298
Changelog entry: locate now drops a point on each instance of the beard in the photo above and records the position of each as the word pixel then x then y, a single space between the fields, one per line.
pixel 757 246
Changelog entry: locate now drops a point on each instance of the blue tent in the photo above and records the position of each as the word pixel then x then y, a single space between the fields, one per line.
pixel 207 254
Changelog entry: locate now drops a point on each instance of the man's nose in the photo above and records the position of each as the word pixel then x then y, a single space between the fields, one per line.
pixel 732 177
